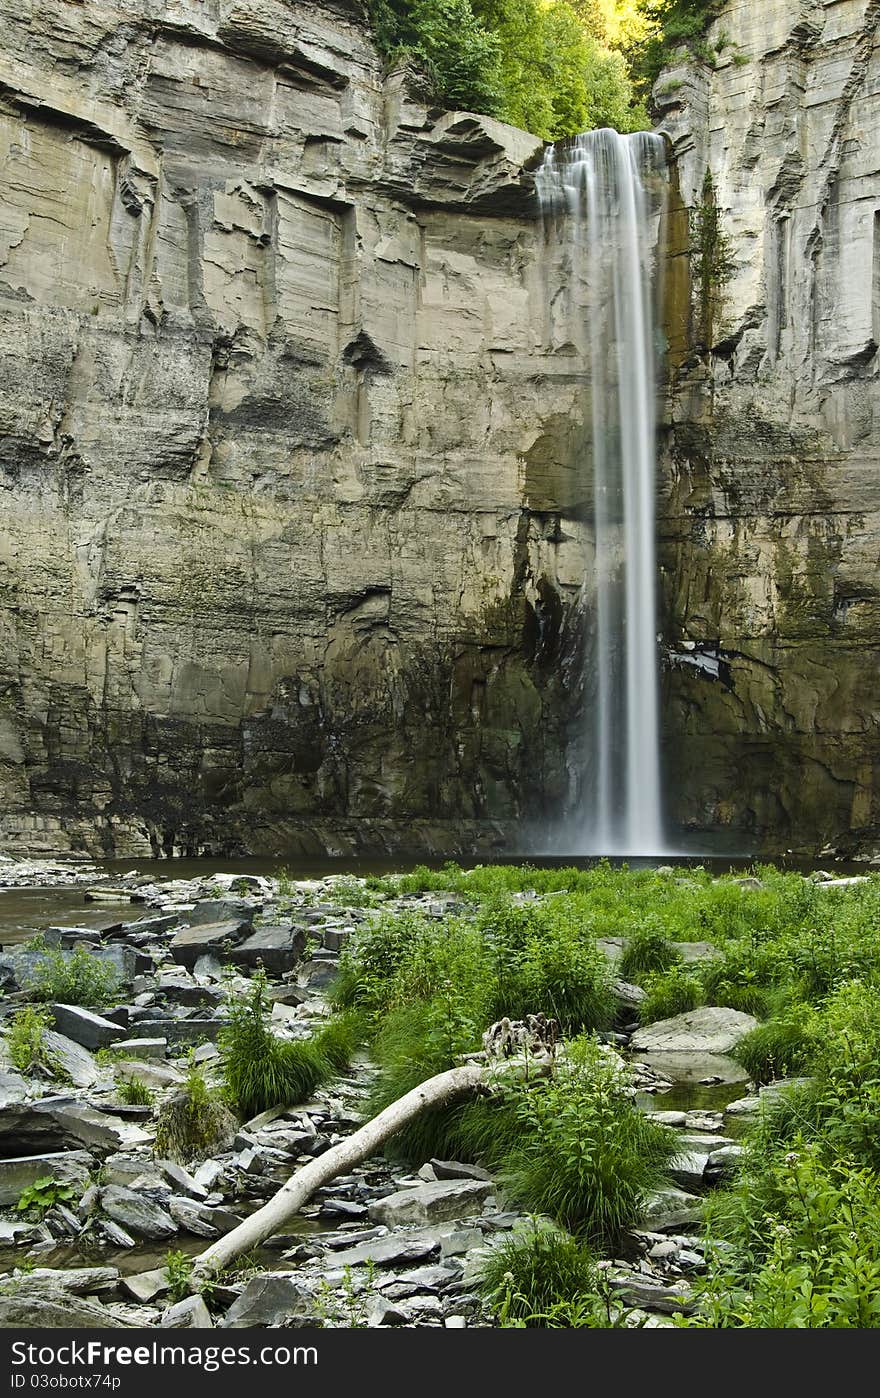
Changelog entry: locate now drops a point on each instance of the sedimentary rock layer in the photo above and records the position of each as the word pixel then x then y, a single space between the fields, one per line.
pixel 287 425
pixel 771 488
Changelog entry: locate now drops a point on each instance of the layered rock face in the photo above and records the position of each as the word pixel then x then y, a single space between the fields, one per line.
pixel 771 488
pixel 292 536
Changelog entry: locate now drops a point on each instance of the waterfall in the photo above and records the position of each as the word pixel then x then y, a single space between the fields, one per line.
pixel 601 197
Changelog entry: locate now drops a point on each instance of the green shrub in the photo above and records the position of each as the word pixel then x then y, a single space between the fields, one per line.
pixel 780 1048
pixel 819 1263
pixel 179 1271
pixel 541 1278
pixel 26 1041
pixel 584 1154
pixel 38 1198
pixel 669 993
pixel 192 1124
pixel 647 948
pixel 75 978
pixel 262 1070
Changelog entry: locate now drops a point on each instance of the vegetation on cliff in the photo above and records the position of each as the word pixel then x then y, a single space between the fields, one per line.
pixel 553 67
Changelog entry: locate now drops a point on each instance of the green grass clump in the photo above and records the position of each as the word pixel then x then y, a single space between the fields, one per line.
pixel 779 1048
pixel 193 1123
pixel 541 1279
pixel 669 993
pixel 647 948
pixel 262 1071
pixel 133 1092
pixel 26 1041
pixel 77 978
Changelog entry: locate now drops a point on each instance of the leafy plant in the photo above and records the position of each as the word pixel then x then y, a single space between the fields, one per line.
pixel 38 1198
pixel 669 993
pixel 179 1271
pixel 647 948
pixel 583 1153
pixel 544 1279
pixel 133 1092
pixel 75 978
pixel 780 1047
pixel 27 1044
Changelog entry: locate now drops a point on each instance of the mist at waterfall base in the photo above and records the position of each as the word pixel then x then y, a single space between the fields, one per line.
pixel 602 198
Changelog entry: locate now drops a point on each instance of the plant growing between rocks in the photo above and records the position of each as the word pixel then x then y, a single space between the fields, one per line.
pixel 193 1123
pixel 38 1198
pixel 27 1044
pixel 75 979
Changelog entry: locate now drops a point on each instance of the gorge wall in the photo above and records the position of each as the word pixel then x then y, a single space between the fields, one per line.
pixel 286 438
pixel 290 410
pixel 771 482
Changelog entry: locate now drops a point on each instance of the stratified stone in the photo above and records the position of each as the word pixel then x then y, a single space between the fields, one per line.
pixel 270 1299
pixel 714 1029
pixel 136 1213
pixel 85 1027
pixel 432 1203
pixel 208 937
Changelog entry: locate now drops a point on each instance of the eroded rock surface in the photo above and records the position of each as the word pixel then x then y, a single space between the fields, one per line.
pixel 290 523
pixel 771 510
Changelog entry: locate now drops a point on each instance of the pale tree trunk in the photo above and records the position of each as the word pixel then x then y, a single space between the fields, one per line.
pixel 439 1091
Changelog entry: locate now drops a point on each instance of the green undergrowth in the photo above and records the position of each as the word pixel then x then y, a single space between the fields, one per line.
pixel 800 1227
pixel 74 978
pixel 542 1278
pixel 262 1070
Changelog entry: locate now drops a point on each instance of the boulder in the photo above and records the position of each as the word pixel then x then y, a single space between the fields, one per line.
pixel 713 1029
pixel 278 949
pixel 57 1122
pixel 212 910
pixel 269 1299
pixel 156 1048
pixel 432 1202
pixel 207 937
pixel 32 1309
pixel 146 1286
pixel 189 1314
pixel 75 1061
pixel 64 1167
pixel 137 1214
pixel 80 1281
pixel 84 1027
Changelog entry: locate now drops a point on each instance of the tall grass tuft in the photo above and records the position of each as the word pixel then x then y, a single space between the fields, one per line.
pixel 263 1071
pixel 540 1278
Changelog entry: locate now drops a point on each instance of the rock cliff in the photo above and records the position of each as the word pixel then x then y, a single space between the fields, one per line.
pixel 286 439
pixel 771 485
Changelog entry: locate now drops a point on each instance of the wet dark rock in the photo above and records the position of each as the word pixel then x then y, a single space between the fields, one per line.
pixel 136 1213
pixel 456 1170
pixel 214 910
pixel 278 949
pixel 207 938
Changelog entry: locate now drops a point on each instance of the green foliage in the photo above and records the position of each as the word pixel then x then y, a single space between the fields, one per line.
pixel 647 948
pixel 543 1279
pixel 263 1071
pixel 192 1122
pixel 38 1198
pixel 819 1266
pixel 669 993
pixel 26 1041
pixel 583 1153
pixel 674 26
pixel 713 263
pixel 133 1092
pixel 351 893
pixel 542 66
pixel 75 978
pixel 179 1271
pixel 781 1047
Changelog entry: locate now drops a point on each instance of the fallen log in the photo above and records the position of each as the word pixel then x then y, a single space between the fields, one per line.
pixel 439 1091
pixel 478 1075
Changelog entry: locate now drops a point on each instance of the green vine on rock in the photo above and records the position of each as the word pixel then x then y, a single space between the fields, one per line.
pixel 713 264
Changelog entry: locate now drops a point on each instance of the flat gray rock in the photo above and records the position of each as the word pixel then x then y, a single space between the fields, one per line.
pixel 136 1213
pixel 269 1299
pixel 207 938
pixel 432 1202
pixel 30 1309
pixel 713 1029
pixel 189 1314
pixel 64 1167
pixel 84 1027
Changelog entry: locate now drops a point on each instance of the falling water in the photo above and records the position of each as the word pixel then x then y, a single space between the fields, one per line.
pixel 599 196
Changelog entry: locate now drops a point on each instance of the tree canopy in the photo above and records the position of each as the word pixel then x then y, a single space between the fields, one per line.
pixel 552 67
